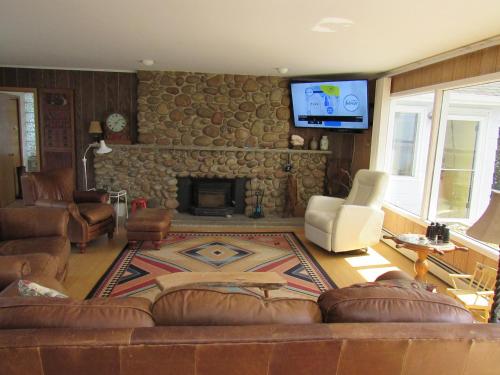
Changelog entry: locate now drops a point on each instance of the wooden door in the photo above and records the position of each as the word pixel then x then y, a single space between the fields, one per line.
pixel 10 148
pixel 57 129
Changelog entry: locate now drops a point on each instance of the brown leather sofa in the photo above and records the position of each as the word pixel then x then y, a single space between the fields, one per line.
pixel 243 335
pixel 90 215
pixel 33 242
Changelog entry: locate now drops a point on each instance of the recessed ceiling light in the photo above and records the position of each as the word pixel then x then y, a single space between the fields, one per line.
pixel 329 24
pixel 282 70
pixel 147 62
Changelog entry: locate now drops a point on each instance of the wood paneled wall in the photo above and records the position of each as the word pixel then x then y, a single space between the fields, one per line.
pixel 473 64
pixel 464 261
pixel 96 95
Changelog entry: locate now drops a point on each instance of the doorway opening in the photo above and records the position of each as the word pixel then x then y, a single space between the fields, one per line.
pixel 19 151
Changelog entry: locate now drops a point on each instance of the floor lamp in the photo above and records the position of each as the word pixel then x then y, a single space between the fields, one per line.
pixel 487 229
pixel 101 149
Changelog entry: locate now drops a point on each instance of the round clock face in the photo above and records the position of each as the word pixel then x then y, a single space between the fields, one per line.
pixel 116 122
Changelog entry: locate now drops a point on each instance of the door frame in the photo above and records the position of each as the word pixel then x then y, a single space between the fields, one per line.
pixel 34 91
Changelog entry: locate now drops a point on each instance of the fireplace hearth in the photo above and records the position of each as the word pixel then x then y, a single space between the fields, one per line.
pixel 211 196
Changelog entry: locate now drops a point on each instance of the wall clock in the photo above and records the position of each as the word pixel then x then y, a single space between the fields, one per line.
pixel 117 129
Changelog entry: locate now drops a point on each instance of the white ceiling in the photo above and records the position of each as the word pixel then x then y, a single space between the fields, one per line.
pixel 238 36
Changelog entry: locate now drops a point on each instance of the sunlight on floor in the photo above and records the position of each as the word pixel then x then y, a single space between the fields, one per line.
pixel 371 265
pixel 370 274
pixel 371 258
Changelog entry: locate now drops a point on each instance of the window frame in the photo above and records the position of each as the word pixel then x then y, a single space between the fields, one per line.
pixel 380 132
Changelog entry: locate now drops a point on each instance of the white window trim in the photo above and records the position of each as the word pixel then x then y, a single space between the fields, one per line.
pixel 418 136
pixel 379 144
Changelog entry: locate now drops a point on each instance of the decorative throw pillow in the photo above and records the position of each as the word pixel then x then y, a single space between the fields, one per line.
pixel 31 289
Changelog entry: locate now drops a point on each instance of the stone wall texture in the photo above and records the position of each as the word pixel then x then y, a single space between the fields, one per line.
pixel 195 109
pixel 211 125
pixel 152 172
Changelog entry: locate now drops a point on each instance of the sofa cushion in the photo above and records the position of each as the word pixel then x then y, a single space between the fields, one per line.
pixel 12 290
pixel 215 307
pixel 46 312
pixel 376 302
pixel 94 213
pixel 321 220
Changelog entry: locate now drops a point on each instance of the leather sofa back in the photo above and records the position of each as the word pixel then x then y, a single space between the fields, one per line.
pixel 209 307
pixel 320 349
pixel 45 312
pixel 29 222
pixel 378 302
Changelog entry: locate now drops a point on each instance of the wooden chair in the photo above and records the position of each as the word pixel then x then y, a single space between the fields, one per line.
pixel 477 290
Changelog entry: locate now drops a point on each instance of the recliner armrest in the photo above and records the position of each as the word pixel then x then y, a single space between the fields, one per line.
pixel 323 203
pixel 90 196
pixel 357 227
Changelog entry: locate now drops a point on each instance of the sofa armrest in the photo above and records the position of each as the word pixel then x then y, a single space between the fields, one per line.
pixel 90 196
pixel 13 267
pixel 29 222
pixel 357 227
pixel 323 203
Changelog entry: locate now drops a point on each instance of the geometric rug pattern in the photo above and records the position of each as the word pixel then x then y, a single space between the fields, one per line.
pixel 134 271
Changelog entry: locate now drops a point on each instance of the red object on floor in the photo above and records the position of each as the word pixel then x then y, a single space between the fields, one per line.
pixel 139 203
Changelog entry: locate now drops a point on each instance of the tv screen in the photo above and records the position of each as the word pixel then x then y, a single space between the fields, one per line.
pixel 339 105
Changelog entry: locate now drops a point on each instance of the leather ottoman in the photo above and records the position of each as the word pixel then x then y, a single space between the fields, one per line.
pixel 148 224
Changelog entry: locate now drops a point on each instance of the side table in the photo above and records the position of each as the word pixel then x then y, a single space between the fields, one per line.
pixel 423 248
pixel 118 198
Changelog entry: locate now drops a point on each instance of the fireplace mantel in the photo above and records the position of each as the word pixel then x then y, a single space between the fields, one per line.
pixel 220 149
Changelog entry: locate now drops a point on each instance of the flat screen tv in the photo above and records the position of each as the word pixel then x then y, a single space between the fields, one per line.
pixel 341 105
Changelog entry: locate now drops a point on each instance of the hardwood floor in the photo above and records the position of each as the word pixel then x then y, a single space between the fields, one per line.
pixel 344 268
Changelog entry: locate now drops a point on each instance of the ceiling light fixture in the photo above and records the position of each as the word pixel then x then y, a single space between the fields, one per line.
pixel 147 62
pixel 282 70
pixel 328 24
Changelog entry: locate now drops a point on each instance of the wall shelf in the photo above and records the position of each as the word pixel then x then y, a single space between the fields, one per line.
pixel 219 149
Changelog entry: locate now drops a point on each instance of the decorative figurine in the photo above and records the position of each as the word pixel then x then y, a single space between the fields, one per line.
pixel 313 145
pixel 323 144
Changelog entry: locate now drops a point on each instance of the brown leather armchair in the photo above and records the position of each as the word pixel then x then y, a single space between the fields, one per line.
pixel 90 214
pixel 33 243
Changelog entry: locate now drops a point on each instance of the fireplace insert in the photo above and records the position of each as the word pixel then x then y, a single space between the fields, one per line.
pixel 211 196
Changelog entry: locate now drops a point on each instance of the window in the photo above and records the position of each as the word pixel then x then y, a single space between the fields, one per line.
pixel 403 144
pixel 444 169
pixel 408 142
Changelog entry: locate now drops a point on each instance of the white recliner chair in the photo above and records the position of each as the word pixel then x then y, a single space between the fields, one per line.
pixel 337 224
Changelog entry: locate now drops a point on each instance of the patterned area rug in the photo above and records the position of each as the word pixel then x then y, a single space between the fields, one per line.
pixel 134 271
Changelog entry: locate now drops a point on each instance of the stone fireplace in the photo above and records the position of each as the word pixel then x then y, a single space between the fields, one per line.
pixel 219 126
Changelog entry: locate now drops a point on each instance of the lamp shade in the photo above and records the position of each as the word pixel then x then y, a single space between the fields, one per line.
pixel 487 228
pixel 103 149
pixel 95 127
